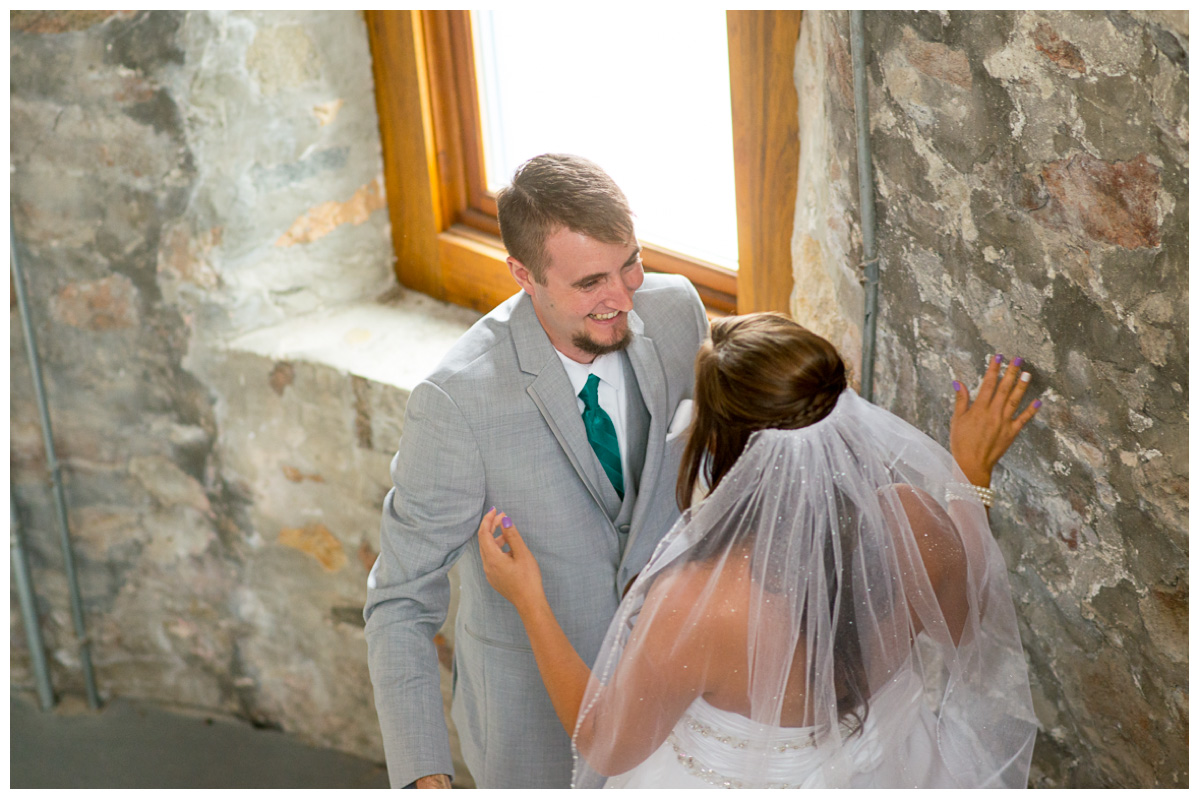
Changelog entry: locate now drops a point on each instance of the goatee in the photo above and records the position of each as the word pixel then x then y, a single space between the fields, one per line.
pixel 589 345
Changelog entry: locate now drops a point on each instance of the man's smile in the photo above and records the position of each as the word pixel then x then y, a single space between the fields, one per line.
pixel 603 317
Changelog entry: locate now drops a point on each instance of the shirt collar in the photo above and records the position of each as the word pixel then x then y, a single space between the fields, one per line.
pixel 606 367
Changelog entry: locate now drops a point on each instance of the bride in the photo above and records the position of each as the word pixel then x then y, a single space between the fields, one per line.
pixel 834 613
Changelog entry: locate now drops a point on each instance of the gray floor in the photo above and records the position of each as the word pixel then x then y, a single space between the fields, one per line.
pixel 129 745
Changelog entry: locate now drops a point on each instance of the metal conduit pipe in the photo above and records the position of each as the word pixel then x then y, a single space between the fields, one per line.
pixel 33 631
pixel 866 201
pixel 60 503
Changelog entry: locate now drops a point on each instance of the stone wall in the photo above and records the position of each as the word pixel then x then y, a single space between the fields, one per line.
pixel 194 192
pixel 1031 173
pixel 180 180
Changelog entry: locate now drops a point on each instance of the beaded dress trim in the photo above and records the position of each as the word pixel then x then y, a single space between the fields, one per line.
pixel 737 743
pixel 695 767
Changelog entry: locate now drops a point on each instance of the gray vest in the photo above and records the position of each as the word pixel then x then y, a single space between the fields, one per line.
pixel 637 429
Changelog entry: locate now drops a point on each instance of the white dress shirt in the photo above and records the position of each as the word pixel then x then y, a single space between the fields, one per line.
pixel 611 392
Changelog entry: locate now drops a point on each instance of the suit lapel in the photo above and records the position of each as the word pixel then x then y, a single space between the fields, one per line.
pixel 652 383
pixel 551 392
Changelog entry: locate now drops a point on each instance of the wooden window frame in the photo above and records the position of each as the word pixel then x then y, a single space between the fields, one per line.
pixel 444 227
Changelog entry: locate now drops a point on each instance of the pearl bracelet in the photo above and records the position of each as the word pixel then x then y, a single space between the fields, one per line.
pixel 969 491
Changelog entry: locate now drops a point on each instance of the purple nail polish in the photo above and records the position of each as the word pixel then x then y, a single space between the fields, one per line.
pixel 957 386
pixel 1037 403
pixel 1017 361
pixel 490 510
pixel 999 358
pixel 506 522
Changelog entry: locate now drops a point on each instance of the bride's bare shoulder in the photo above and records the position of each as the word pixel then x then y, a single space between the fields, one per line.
pixel 707 586
pixel 679 582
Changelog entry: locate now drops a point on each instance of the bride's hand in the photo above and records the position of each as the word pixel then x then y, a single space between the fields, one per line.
pixel 515 574
pixel 981 431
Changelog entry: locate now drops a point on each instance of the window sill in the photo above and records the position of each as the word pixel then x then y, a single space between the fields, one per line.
pixel 395 342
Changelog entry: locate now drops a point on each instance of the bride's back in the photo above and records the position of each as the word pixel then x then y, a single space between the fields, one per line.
pixel 725 595
pixel 726 598
pixel 720 596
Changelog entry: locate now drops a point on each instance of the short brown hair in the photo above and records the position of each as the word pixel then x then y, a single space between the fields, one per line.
pixel 554 191
pixel 755 371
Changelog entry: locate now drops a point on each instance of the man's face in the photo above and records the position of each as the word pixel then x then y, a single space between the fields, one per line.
pixel 585 302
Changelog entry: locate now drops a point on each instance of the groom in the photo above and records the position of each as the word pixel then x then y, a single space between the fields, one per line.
pixel 563 407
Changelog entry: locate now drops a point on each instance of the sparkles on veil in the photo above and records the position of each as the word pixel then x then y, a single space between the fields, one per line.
pixel 859 605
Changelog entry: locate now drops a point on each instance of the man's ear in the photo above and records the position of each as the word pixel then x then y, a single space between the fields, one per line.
pixel 521 275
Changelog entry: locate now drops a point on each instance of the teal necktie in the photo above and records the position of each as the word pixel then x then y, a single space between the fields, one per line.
pixel 601 434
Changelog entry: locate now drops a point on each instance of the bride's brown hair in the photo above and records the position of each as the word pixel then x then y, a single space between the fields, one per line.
pixel 755 372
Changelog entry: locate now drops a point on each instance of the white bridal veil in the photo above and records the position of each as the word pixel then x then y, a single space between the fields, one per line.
pixel 857 606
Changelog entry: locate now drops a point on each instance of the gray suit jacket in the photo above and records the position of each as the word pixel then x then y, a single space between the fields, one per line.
pixel 497 424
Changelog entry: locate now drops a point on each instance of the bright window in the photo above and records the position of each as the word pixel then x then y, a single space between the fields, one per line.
pixel 645 94
pixel 441 199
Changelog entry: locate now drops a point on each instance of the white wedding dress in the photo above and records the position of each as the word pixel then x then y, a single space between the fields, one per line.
pixel 707 750
pixel 842 567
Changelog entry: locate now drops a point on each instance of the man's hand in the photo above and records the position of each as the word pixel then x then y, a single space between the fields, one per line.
pixel 981 431
pixel 434 782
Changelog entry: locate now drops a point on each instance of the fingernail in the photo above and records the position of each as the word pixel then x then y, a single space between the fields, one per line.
pixel 999 357
pixel 492 509
pixel 957 386
pixel 506 522
pixel 1017 361
pixel 1037 403
pixel 1025 377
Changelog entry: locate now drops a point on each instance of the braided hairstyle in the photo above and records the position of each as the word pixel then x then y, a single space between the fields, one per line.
pixel 755 372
